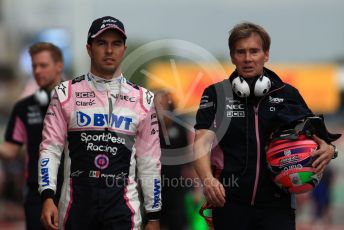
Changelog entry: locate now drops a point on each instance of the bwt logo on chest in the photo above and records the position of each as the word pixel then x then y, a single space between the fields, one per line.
pixel 101 120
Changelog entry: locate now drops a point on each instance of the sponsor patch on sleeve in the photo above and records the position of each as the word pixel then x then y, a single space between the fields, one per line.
pixel 62 91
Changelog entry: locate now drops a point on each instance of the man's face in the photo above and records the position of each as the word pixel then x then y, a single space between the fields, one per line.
pixel 249 57
pixel 106 52
pixel 46 71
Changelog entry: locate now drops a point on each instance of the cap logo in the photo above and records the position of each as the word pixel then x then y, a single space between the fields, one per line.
pixel 109 20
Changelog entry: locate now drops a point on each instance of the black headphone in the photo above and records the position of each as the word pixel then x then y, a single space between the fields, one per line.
pixel 260 86
pixel 42 97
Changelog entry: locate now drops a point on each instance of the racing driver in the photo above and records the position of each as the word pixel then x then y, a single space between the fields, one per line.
pixel 109 131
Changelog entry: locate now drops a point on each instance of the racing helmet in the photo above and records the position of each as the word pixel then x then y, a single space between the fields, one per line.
pixel 289 158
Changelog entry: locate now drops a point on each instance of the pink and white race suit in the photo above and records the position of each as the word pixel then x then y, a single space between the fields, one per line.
pixel 108 130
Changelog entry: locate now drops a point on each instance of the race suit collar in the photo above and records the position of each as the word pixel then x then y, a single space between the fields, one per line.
pixel 102 84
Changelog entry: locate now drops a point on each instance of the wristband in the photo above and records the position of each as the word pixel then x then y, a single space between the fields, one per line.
pixel 335 153
pixel 47 193
pixel 151 216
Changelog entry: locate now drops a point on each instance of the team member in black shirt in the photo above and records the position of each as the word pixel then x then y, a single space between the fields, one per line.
pixel 240 113
pixel 26 124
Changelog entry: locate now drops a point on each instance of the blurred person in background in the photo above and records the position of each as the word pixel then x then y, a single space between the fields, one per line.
pixel 322 198
pixel 26 124
pixel 11 172
pixel 174 145
pixel 107 126
pixel 239 187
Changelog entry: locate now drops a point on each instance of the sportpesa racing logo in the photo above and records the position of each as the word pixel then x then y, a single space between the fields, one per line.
pixel 102 142
pixel 101 120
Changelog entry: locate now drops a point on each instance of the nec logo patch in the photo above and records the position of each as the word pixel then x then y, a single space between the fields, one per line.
pixel 235 110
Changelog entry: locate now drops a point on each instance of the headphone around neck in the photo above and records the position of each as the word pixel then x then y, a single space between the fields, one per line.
pixel 42 97
pixel 260 86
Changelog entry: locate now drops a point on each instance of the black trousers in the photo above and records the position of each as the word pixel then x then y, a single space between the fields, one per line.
pixel 98 208
pixel 243 217
pixel 33 209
